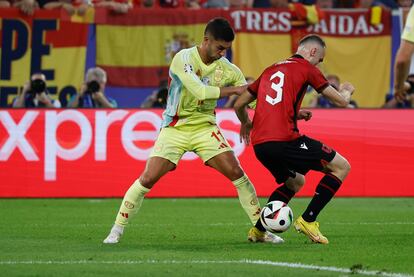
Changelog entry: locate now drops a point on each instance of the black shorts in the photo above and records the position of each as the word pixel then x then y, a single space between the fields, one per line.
pixel 284 158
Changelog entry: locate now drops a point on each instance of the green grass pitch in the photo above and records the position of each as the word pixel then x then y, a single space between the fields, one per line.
pixel 202 237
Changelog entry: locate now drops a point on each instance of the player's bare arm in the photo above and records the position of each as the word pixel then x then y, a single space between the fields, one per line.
pixel 236 90
pixel 401 68
pixel 340 98
pixel 241 111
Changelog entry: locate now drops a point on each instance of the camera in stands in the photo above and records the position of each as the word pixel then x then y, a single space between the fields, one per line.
pixel 92 87
pixel 37 86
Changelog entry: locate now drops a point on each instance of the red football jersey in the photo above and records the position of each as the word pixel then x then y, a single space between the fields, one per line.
pixel 279 92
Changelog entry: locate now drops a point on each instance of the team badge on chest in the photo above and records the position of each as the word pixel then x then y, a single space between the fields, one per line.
pixel 218 74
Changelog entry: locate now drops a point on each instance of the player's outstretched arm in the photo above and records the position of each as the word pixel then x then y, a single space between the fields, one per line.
pixel 181 68
pixel 229 91
pixel 401 68
pixel 339 98
pixel 241 111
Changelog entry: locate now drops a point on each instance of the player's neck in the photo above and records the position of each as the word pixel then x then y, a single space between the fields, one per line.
pixel 203 55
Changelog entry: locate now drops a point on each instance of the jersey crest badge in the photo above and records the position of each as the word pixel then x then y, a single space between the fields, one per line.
pixel 218 74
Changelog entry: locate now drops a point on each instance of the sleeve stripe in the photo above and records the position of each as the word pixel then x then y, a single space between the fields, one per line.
pixel 322 87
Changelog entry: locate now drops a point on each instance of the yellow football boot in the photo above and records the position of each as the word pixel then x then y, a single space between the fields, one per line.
pixel 311 230
pixel 255 235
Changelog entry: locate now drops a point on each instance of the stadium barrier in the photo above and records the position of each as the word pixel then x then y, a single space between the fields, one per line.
pixel 99 153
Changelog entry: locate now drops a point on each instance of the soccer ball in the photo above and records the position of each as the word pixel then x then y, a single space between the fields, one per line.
pixel 276 216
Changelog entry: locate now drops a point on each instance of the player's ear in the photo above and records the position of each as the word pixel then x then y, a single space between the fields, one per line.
pixel 313 51
pixel 207 38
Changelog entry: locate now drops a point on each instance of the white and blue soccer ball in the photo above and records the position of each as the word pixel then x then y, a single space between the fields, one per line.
pixel 276 216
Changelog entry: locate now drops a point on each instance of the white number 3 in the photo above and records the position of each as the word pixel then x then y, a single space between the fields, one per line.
pixel 277 87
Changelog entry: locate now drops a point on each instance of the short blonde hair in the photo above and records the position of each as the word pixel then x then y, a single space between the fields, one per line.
pixel 96 74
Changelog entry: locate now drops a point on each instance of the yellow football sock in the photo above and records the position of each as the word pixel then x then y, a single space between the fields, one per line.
pixel 131 203
pixel 248 198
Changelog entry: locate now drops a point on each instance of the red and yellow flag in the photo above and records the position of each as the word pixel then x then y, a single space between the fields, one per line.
pixel 136 49
pixel 47 42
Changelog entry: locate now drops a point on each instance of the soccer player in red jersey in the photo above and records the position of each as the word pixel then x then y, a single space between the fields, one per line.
pixel 277 142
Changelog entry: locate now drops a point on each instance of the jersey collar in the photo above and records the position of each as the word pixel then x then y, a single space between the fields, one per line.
pixel 297 56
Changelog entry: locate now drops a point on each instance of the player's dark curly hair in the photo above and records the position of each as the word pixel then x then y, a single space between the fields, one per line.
pixel 312 38
pixel 220 29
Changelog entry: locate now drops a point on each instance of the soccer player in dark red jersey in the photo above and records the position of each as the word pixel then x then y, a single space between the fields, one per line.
pixel 277 142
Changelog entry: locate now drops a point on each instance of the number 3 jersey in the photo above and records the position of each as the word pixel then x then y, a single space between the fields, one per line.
pixel 279 92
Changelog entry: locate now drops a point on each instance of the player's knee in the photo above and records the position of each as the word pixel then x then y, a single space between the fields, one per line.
pixel 147 180
pixel 346 167
pixel 300 180
pixel 341 168
pixel 295 184
pixel 235 173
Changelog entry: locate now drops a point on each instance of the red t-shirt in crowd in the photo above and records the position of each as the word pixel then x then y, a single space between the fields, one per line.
pixel 279 92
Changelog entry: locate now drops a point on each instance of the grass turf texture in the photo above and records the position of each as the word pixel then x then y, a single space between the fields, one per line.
pixel 178 237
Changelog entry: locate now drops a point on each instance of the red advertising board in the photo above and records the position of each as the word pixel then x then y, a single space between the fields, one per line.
pixel 99 153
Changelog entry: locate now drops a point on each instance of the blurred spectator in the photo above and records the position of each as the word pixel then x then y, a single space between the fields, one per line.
pixel 217 4
pixel 366 4
pixel 180 40
pixel 322 102
pixel 306 2
pixel 232 99
pixel 192 4
pixel 325 4
pixel 158 98
pixel 26 6
pixel 144 3
pixel 35 95
pixel 261 4
pixel 4 4
pixel 116 6
pixel 238 4
pixel 81 6
pixel 405 3
pixel 60 4
pixel 334 81
pixel 171 3
pixel 92 92
pixel 279 4
pixel 345 4
pixel 352 104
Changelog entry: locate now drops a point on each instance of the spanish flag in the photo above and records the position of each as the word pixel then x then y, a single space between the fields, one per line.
pixel 136 49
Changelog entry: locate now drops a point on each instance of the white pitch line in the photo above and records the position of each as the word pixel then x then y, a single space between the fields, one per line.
pixel 255 262
pixel 43 225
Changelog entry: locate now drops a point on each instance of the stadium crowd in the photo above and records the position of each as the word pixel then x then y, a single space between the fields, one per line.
pixel 123 6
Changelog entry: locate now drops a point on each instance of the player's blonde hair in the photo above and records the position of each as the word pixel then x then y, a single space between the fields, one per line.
pixel 312 38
